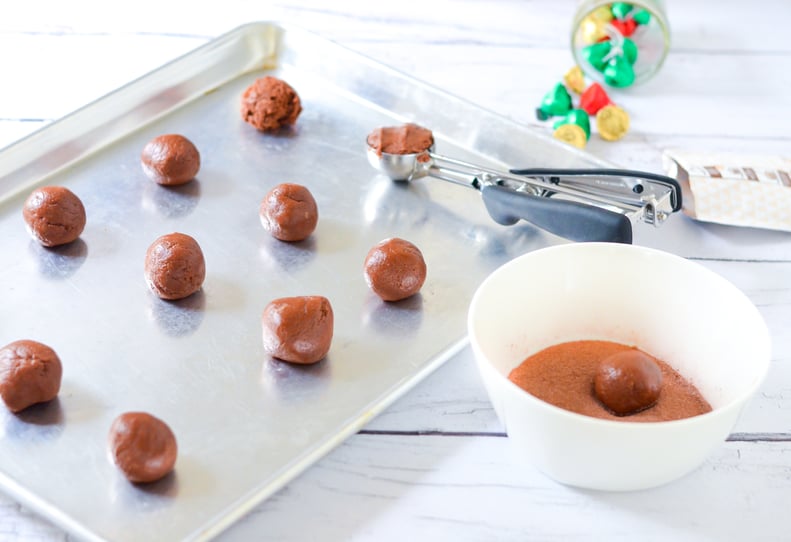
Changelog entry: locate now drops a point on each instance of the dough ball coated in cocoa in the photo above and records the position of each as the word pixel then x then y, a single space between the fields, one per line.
pixel 269 104
pixel 289 212
pixel 54 215
pixel 142 446
pixel 174 266
pixel 298 329
pixel 30 373
pixel 170 159
pixel 628 382
pixel 395 269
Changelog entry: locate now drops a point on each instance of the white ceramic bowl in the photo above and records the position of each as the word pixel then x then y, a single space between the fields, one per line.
pixel 672 308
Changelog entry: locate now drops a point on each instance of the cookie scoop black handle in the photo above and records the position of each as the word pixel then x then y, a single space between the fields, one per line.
pixel 569 219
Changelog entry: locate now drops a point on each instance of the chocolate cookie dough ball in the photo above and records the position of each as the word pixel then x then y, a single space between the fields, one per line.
pixel 404 139
pixel 298 329
pixel 30 373
pixel 394 269
pixel 170 159
pixel 174 266
pixel 289 212
pixel 54 215
pixel 142 446
pixel 628 382
pixel 269 104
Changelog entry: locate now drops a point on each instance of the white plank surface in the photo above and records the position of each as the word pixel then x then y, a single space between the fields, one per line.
pixel 435 465
pixel 462 488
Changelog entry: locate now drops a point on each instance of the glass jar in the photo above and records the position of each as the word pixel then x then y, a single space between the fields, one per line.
pixel 601 33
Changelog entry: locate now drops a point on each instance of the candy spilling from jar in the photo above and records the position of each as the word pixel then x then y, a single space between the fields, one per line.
pixel 573 124
pixel 620 43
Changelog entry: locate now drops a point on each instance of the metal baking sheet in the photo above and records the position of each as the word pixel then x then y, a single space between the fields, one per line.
pixel 245 424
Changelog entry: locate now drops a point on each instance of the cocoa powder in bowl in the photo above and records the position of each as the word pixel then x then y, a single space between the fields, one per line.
pixel 563 375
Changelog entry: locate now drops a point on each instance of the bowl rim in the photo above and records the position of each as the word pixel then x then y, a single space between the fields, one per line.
pixel 736 403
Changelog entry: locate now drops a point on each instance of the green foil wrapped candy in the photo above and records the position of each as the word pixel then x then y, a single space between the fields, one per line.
pixel 596 53
pixel 642 16
pixel 618 72
pixel 580 118
pixel 620 9
pixel 629 50
pixel 555 103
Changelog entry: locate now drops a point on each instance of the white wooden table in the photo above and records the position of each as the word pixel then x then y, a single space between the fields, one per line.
pixel 436 465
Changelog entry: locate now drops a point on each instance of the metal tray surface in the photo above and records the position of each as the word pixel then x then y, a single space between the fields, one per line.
pixel 245 424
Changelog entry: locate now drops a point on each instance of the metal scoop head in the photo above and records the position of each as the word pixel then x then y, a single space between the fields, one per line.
pixel 401 167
